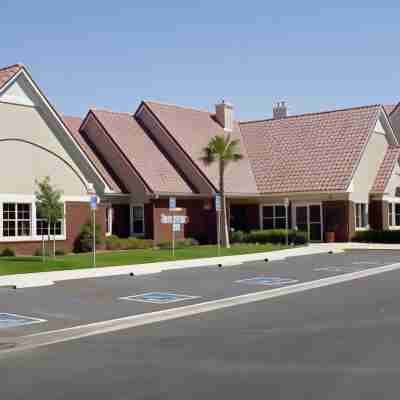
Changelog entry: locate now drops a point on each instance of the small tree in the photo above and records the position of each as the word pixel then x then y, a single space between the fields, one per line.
pixel 49 206
pixel 224 150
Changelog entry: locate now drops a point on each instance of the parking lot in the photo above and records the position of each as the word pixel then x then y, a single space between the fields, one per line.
pixel 335 342
pixel 80 302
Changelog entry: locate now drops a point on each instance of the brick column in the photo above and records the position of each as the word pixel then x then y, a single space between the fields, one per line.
pixel 378 215
pixel 339 215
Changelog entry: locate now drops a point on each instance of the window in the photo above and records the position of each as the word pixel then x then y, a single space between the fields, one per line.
pixel 16 219
pixel 42 226
pixel 274 217
pixel 394 214
pixel 361 215
pixel 137 220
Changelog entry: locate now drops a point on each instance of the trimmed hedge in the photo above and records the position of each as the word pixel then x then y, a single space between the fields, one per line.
pixel 373 236
pixel 113 242
pixel 179 244
pixel 7 252
pixel 276 236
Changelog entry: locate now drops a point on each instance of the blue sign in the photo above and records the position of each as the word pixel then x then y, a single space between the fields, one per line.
pixel 218 202
pixel 159 297
pixel 12 320
pixel 172 203
pixel 268 281
pixel 93 202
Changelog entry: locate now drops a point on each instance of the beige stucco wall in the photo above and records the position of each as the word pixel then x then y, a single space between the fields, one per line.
pixel 394 182
pixel 368 167
pixel 21 163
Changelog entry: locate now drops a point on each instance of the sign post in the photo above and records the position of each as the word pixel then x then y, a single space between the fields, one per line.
pixel 218 210
pixel 286 202
pixel 93 206
pixel 172 208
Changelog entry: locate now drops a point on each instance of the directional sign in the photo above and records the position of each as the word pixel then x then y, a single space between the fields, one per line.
pixel 218 202
pixel 166 219
pixel 176 227
pixel 172 203
pixel 180 219
pixel 93 202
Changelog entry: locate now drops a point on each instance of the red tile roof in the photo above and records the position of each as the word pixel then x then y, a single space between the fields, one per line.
pixel 193 129
pixel 152 165
pixel 73 124
pixel 386 168
pixel 7 73
pixel 310 152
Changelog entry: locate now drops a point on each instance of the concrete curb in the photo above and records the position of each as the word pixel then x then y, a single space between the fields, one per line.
pixel 38 279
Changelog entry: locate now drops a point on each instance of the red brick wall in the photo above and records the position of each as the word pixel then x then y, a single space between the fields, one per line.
pixel 76 214
pixel 202 222
pixel 378 215
pixel 341 214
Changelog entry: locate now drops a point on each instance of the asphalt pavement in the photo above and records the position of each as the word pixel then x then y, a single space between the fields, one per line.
pixel 336 342
pixel 78 302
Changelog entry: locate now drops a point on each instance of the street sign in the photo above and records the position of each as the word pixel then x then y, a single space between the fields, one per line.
pixel 176 227
pixel 93 202
pixel 166 219
pixel 218 202
pixel 180 219
pixel 172 203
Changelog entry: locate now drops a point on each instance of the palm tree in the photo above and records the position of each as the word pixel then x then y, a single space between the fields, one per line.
pixel 224 150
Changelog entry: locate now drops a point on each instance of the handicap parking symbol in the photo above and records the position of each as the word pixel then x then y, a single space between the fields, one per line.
pixel 159 297
pixel 8 320
pixel 268 281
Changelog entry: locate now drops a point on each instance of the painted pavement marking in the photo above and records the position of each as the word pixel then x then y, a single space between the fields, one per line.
pixel 8 320
pixel 268 281
pixel 159 297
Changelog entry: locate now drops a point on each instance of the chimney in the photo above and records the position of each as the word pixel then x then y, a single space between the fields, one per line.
pixel 279 110
pixel 224 115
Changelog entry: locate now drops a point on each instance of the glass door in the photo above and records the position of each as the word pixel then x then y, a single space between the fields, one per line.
pixel 308 218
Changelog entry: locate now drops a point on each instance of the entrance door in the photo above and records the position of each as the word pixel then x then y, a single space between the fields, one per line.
pixel 308 218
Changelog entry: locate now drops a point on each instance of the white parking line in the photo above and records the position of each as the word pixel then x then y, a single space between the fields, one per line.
pixel 97 328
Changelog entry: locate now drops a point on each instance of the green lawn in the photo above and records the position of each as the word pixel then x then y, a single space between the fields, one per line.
pixel 19 265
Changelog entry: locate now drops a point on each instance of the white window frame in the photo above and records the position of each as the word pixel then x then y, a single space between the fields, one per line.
pixel 361 228
pixel 109 220
pixel 33 237
pixel 273 214
pixel 392 223
pixel 132 233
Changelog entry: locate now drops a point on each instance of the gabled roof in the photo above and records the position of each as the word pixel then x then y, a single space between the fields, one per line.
pixel 389 108
pixel 192 130
pixel 309 152
pixel 392 156
pixel 73 124
pixel 143 154
pixel 8 73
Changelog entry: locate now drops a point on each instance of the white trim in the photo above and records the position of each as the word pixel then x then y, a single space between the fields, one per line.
pixel 361 228
pixel 50 108
pixel 28 198
pixel 109 219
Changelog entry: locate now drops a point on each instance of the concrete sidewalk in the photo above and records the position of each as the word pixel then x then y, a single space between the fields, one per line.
pixel 49 278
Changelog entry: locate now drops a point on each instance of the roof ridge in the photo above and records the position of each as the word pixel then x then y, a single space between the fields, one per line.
pixel 311 114
pixel 19 65
pixel 94 109
pixel 177 106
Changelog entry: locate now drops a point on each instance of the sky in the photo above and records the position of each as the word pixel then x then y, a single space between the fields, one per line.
pixel 315 55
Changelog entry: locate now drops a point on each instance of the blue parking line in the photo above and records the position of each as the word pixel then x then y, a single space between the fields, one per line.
pixel 8 320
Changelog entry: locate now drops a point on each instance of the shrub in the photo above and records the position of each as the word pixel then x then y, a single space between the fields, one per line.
pixel 179 244
pixel 375 236
pixel 8 252
pixel 84 242
pixel 276 236
pixel 113 242
pixel 237 237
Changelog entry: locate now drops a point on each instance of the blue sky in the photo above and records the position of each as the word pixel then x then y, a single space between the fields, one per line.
pixel 112 54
